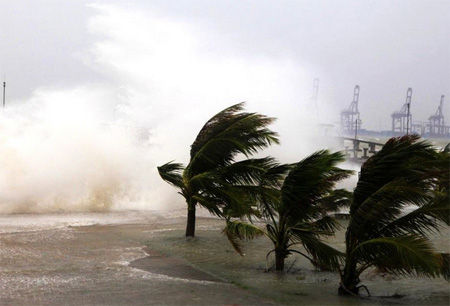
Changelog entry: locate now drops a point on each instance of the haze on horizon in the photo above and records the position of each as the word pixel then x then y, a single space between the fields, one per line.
pixel 384 46
pixel 85 77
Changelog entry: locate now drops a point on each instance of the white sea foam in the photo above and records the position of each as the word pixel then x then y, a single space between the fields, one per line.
pixel 95 147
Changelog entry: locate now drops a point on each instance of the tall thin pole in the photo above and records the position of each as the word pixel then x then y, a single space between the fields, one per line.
pixel 407 120
pixel 408 106
pixel 4 93
pixel 356 142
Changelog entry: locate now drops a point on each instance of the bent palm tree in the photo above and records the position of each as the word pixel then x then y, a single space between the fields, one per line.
pixel 295 203
pixel 405 173
pixel 213 179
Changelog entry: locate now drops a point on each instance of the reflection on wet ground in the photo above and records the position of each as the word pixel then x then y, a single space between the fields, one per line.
pixel 89 265
pixel 302 285
pixel 143 258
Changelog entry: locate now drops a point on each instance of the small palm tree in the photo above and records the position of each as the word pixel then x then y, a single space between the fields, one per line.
pixel 405 173
pixel 213 178
pixel 295 202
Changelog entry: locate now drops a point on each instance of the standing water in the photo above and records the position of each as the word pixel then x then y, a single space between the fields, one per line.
pixel 143 258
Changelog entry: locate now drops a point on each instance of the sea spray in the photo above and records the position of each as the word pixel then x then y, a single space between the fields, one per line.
pixel 59 152
pixel 95 147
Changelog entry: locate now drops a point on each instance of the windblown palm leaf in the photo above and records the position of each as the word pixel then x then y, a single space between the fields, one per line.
pixel 227 134
pixel 405 175
pixel 308 183
pixel 237 231
pixel 409 254
pixel 295 202
pixel 213 178
pixel 171 173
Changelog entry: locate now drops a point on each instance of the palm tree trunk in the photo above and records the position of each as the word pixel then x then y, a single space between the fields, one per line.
pixel 350 279
pixel 190 226
pixel 279 260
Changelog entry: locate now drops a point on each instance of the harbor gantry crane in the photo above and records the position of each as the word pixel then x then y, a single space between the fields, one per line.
pixel 436 124
pixel 350 116
pixel 402 120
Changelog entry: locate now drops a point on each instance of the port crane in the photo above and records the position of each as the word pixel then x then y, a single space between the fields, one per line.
pixel 350 116
pixel 436 123
pixel 402 120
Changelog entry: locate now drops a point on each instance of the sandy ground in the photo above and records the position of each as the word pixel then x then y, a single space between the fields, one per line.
pixel 101 265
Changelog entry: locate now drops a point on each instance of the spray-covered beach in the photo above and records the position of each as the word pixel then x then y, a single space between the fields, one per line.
pixel 141 259
pixel 198 152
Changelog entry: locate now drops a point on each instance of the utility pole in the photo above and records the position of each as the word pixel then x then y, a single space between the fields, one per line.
pixel 408 106
pixel 4 93
pixel 356 142
pixel 357 121
pixel 407 119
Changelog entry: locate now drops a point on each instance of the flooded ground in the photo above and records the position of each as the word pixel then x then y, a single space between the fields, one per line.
pixel 142 258
pixel 302 285
pixel 84 259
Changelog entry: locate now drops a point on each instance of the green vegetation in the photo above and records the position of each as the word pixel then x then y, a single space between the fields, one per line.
pixel 405 172
pixel 402 196
pixel 213 178
pixel 295 202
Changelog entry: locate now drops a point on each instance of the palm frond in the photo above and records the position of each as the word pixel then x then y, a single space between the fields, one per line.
pixel 402 173
pixel 227 134
pixel 422 220
pixel 384 206
pixel 215 125
pixel 211 203
pixel 274 175
pixel 444 258
pixel 404 255
pixel 405 173
pixel 270 183
pixel 336 199
pixel 326 225
pixel 247 172
pixel 213 178
pixel 237 231
pixel 232 200
pixel 308 181
pixel 171 173
pixel 400 158
pixel 324 255
pixel 272 232
pixel 444 167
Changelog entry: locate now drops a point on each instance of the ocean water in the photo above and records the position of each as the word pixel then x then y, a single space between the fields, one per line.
pixel 86 259
pixel 302 285
pixel 141 257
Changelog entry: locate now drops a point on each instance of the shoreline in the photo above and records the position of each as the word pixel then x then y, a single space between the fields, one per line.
pixel 104 264
pixel 149 261
pixel 158 263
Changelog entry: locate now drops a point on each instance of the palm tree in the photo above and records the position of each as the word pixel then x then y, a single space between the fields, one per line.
pixel 405 173
pixel 213 178
pixel 295 203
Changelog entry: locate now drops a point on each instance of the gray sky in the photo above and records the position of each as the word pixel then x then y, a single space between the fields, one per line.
pixel 384 46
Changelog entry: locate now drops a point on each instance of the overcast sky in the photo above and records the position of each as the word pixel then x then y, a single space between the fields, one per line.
pixel 384 46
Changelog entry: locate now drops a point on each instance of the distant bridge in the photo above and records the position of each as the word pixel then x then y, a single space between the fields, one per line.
pixel 359 150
